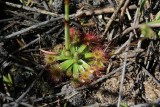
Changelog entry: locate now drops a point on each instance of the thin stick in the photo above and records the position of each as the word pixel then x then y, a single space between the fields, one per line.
pixel 104 10
pixel 147 72
pixel 86 12
pixel 123 71
pixel 48 52
pixel 138 26
pixel 124 8
pixel 6 20
pixel 15 34
pixel 31 9
pixel 4 96
pixel 27 45
pixel 121 48
pixel 112 18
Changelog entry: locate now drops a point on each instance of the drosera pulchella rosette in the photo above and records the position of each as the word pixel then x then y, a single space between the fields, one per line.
pixel 85 62
pixel 77 57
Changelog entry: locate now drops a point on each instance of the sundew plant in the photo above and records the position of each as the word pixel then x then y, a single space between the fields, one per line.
pixel 81 57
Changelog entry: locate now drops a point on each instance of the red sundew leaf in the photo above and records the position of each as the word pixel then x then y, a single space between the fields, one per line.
pixel 87 76
pixel 99 54
pixel 55 72
pixel 75 35
pixel 48 52
pixel 97 69
pixel 90 38
pixel 49 58
pixel 58 48
pixel 72 31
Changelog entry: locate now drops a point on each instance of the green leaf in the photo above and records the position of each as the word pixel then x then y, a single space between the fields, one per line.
pixel 147 32
pixel 75 71
pixel 84 64
pixel 88 55
pixel 81 69
pixel 123 105
pixel 62 57
pixel 7 79
pixel 154 22
pixel 66 64
pixel 82 48
pixel 72 49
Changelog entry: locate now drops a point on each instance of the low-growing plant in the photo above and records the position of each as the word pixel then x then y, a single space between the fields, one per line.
pixel 81 57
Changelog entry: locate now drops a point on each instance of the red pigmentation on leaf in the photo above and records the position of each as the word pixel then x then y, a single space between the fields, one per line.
pixel 99 53
pixel 90 38
pixel 55 73
pixel 100 58
pixel 75 35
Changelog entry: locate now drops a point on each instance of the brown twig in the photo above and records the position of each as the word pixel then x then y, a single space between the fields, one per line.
pixel 112 17
pixel 124 8
pixel 78 14
pixel 124 69
pixel 138 26
pixel 27 45
pixel 4 96
pixel 8 19
pixel 147 72
pixel 148 5
pixel 100 11
pixel 31 9
pixel 15 34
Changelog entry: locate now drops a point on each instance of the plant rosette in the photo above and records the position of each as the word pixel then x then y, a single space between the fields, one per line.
pixel 84 62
